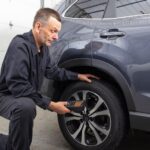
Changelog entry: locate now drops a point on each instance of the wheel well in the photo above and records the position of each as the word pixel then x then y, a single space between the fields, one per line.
pixel 103 76
pixel 108 79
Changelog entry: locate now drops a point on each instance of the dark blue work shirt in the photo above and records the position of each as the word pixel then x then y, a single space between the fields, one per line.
pixel 24 68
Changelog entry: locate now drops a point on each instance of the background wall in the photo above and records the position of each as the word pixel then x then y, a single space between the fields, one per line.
pixel 16 17
pixel 51 3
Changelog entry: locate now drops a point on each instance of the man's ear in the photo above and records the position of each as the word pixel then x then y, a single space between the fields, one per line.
pixel 37 27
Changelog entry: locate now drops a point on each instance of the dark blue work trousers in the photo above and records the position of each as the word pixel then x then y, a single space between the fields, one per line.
pixel 21 113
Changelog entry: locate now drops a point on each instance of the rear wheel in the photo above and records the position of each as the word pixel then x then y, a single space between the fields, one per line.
pixel 101 125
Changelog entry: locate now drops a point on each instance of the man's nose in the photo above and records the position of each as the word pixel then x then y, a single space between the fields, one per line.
pixel 55 37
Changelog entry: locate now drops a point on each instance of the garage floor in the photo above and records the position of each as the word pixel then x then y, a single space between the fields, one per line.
pixel 47 135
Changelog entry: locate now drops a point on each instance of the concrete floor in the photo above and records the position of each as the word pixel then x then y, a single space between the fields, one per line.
pixel 47 135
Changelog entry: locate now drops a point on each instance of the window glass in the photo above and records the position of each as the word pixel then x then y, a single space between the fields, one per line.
pixel 87 9
pixel 132 7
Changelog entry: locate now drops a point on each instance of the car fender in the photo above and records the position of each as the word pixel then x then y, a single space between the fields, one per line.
pixel 122 81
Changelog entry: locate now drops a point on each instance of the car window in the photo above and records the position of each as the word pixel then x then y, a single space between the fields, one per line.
pixel 132 7
pixel 87 9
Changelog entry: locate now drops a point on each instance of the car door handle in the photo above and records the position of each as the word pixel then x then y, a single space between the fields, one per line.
pixel 112 34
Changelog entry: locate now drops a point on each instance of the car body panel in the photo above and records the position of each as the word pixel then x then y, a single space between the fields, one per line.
pixel 117 46
pixel 131 56
pixel 76 42
pixel 122 53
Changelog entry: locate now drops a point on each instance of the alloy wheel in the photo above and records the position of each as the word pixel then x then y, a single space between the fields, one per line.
pixel 91 126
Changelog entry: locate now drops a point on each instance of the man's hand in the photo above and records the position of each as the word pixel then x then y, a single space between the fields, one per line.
pixel 59 107
pixel 86 77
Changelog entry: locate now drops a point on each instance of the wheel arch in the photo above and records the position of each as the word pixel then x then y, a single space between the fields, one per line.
pixel 106 72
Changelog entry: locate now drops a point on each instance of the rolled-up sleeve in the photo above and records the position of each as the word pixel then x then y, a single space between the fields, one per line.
pixel 17 76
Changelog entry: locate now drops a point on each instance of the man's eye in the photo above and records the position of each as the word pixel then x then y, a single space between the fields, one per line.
pixel 52 31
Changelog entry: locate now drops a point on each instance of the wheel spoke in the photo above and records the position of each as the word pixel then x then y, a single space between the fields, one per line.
pixel 98 138
pixel 102 130
pixel 72 118
pixel 101 113
pixel 76 114
pixel 83 135
pixel 76 96
pixel 76 133
pixel 100 101
pixel 84 95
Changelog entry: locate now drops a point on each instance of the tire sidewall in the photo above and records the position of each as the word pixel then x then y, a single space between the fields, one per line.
pixel 116 113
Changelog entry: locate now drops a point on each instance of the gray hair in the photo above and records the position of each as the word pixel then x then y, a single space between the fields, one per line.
pixel 44 14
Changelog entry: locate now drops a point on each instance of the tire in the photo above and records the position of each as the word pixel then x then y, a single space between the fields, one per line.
pixel 101 126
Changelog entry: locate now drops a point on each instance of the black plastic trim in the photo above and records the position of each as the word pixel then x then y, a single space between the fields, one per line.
pixel 140 121
pixel 76 63
pixel 123 81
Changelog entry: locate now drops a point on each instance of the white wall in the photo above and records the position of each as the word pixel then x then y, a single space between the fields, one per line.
pixel 51 3
pixel 16 17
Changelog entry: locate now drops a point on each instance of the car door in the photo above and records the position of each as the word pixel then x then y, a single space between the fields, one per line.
pixel 123 42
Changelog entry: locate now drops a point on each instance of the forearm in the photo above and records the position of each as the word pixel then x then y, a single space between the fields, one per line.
pixel 60 74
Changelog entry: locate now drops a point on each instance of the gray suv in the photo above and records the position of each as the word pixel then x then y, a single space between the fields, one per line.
pixel 110 39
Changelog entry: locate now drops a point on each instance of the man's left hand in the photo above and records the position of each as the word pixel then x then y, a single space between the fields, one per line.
pixel 86 77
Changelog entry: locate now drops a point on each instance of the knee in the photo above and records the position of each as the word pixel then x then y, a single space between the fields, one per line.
pixel 27 107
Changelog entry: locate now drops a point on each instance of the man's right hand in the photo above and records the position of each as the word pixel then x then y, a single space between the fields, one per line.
pixel 59 107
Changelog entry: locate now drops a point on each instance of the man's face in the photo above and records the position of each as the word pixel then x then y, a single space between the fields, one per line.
pixel 48 32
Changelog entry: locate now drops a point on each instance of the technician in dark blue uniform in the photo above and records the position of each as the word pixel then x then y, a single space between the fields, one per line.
pixel 26 62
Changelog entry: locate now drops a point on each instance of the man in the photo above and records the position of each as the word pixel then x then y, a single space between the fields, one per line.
pixel 26 62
